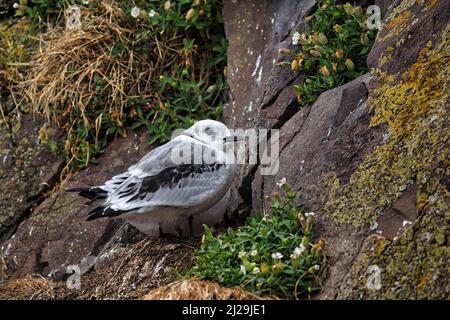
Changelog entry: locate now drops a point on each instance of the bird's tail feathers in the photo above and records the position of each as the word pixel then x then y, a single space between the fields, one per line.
pixel 95 213
pixel 94 194
pixel 102 212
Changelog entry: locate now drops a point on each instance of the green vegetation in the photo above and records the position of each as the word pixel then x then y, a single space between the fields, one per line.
pixel 147 64
pixel 273 255
pixel 40 10
pixel 333 50
pixel 14 52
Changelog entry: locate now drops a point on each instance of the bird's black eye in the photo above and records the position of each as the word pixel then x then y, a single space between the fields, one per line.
pixel 209 131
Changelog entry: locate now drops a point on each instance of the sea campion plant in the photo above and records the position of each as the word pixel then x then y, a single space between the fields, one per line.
pixel 332 51
pixel 274 254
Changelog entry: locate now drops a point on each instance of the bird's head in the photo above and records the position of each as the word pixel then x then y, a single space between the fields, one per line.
pixel 211 132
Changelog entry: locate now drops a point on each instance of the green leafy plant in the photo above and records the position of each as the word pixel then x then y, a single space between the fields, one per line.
pixel 37 10
pixel 272 254
pixel 332 51
pixel 15 47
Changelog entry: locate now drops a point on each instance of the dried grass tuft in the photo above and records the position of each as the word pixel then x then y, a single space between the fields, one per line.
pixel 196 289
pixel 65 67
pixel 28 288
pixel 64 77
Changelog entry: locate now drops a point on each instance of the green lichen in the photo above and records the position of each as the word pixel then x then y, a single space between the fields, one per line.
pixel 415 266
pixel 56 206
pixel 21 178
pixel 400 10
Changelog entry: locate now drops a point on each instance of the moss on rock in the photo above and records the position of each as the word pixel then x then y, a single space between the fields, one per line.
pixel 415 266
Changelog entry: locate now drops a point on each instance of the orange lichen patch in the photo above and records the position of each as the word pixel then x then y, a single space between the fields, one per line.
pixel 421 200
pixel 195 289
pixel 380 245
pixel 396 26
pixel 432 3
pixel 423 281
pixel 418 88
pixel 400 20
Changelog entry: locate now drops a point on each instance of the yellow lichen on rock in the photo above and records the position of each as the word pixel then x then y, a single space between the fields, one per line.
pixel 387 56
pixel 410 103
pixel 415 112
pixel 399 21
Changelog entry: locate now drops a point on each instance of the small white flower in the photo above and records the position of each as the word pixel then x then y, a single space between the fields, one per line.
pixel 242 254
pixel 256 270
pixel 298 252
pixel 406 222
pixel 152 13
pixel 295 38
pixel 281 183
pixel 317 267
pixel 135 12
pixel 16 5
pixel 310 214
pixel 277 255
pixel 254 253
pixel 243 271
pixel 167 5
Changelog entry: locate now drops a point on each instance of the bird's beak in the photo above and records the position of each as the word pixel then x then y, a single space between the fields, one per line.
pixel 233 139
pixel 186 132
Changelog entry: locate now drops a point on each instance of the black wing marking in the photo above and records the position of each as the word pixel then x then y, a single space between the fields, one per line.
pixel 101 212
pixel 168 178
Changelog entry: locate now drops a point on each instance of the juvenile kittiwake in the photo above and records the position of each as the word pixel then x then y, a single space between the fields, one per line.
pixel 175 188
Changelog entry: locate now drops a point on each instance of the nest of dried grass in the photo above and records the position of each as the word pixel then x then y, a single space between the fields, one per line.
pixel 130 272
pixel 196 289
pixel 142 270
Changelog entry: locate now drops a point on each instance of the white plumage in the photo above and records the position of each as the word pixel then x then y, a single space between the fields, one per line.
pixel 175 188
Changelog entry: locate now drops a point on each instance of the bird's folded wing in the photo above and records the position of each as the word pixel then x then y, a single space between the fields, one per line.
pixel 152 163
pixel 158 181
